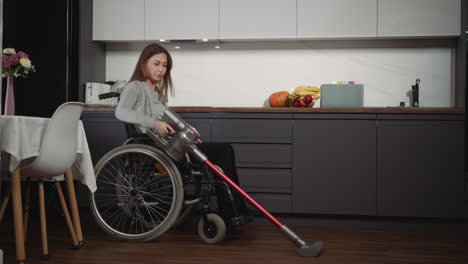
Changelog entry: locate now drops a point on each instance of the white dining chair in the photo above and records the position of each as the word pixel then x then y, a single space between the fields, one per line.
pixel 56 156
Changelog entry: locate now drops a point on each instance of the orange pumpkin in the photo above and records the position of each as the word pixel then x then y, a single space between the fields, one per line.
pixel 278 99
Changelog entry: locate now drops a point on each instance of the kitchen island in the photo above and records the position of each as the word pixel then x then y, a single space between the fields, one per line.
pixel 404 162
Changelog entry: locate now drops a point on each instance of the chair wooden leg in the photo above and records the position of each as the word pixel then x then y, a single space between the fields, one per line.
pixel 26 207
pixel 17 215
pixel 67 215
pixel 3 207
pixel 73 205
pixel 42 212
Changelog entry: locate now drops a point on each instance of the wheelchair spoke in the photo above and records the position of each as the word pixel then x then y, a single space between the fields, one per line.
pixel 129 185
pixel 159 179
pixel 156 211
pixel 156 195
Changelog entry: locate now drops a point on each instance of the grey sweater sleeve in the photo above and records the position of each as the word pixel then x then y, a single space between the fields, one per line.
pixel 126 110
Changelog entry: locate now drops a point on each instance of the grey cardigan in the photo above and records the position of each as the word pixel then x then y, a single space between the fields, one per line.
pixel 139 105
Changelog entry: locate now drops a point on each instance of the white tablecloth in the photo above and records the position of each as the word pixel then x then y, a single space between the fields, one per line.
pixel 21 137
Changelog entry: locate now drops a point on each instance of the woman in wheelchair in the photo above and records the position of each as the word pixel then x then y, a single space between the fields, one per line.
pixel 142 192
pixel 142 100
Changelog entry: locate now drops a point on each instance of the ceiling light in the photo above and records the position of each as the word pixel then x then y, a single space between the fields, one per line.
pixel 205 40
pixel 217 47
pixel 162 40
pixel 177 47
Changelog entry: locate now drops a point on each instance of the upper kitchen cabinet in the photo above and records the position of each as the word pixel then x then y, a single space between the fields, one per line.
pixel 118 20
pixel 257 19
pixel 419 18
pixel 181 19
pixel 336 18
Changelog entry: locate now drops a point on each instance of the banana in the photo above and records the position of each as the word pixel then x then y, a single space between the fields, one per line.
pixel 293 96
pixel 304 93
pixel 306 88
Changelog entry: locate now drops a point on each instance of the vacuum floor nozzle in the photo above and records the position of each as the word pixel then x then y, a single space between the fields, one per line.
pixel 312 249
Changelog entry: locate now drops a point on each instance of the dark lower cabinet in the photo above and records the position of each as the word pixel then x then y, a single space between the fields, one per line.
pixel 201 122
pixel 397 165
pixel 103 131
pixel 421 168
pixel 334 167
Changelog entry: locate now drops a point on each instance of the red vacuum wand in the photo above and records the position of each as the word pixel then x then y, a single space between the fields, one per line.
pixel 312 249
pixel 184 140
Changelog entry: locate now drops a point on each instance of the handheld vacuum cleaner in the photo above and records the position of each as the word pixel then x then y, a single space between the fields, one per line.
pixel 183 141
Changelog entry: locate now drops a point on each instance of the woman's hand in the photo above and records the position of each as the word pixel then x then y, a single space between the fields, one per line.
pixel 163 128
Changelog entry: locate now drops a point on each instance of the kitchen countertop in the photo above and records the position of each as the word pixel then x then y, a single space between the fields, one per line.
pixel 364 110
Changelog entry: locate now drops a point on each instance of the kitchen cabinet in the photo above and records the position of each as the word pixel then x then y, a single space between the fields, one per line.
pixel 118 20
pixel 418 18
pixel 373 164
pixel 104 133
pixel 336 18
pixel 181 19
pixel 421 166
pixel 262 145
pixel 257 19
pixel 201 121
pixel 334 164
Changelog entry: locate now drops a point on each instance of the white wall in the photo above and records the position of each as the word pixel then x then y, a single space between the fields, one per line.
pixel 244 75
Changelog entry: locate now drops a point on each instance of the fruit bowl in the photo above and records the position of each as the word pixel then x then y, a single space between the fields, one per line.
pixel 307 101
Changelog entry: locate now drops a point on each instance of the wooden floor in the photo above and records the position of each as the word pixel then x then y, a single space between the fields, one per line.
pixel 255 244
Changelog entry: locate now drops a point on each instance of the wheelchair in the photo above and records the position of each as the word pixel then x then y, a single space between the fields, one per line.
pixel 142 192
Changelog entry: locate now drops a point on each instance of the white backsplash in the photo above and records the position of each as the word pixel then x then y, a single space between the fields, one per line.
pixel 245 77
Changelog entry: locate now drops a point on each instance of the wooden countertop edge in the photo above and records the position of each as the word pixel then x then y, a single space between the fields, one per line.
pixel 390 110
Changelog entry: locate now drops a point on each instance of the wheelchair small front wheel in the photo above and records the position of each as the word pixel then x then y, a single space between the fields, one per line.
pixel 213 230
pixel 139 193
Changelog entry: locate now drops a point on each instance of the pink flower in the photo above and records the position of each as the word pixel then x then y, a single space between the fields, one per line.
pixel 21 54
pixel 9 60
pixel 6 64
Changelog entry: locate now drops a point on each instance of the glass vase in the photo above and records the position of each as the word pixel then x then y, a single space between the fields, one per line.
pixel 10 97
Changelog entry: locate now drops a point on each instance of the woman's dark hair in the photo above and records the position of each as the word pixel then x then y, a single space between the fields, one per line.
pixel 140 73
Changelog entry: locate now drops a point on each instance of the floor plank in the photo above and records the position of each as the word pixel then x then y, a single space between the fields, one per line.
pixel 255 244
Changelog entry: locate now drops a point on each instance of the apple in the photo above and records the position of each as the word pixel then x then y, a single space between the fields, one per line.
pixel 307 99
pixel 311 104
pixel 298 103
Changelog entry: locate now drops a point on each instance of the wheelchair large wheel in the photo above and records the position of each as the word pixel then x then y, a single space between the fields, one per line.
pixel 139 193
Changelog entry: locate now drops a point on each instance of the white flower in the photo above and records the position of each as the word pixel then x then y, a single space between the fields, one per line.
pixel 25 62
pixel 9 51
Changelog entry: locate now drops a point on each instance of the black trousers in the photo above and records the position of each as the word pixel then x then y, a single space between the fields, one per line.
pixel 221 154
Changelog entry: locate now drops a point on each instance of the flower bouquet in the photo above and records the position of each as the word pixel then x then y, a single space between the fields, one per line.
pixel 16 64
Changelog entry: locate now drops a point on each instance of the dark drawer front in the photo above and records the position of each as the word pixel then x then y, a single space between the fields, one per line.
pixel 252 130
pixel 280 203
pixel 263 155
pixel 265 180
pixel 203 126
